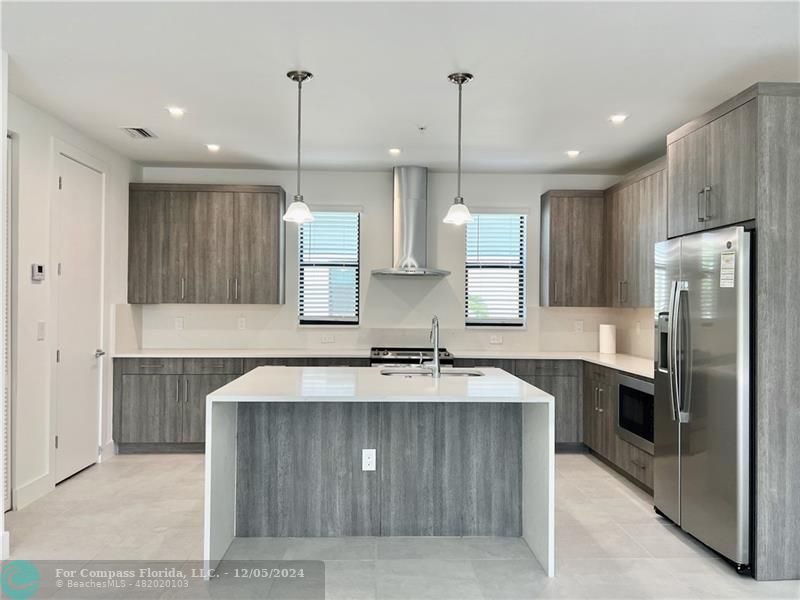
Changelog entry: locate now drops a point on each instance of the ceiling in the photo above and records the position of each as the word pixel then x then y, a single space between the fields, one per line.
pixel 547 76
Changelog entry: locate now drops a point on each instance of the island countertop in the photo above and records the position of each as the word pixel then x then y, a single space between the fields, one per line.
pixel 366 384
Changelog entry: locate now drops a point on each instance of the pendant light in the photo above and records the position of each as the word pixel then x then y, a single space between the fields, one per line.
pixel 459 213
pixel 298 211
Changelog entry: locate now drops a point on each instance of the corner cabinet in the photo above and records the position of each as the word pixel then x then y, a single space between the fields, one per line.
pixel 572 241
pixel 712 170
pixel 635 219
pixel 206 244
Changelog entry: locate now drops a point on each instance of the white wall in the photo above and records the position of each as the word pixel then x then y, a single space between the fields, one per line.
pixel 394 311
pixel 35 132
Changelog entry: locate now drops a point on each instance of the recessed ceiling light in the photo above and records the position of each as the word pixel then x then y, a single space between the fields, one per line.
pixel 176 112
pixel 573 153
pixel 618 119
pixel 395 151
pixel 213 147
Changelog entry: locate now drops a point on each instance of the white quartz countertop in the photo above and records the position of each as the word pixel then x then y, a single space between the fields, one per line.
pixel 366 384
pixel 634 365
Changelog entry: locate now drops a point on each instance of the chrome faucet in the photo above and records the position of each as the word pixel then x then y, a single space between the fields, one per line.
pixel 436 367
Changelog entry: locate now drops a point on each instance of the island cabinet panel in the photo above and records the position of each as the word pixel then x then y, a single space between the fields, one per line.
pixel 451 469
pixel 563 379
pixel 299 470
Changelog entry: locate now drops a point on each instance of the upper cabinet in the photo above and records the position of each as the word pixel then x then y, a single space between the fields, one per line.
pixel 712 170
pixel 572 242
pixel 205 244
pixel 635 219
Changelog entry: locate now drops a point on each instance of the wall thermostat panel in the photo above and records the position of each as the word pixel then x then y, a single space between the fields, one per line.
pixel 37 272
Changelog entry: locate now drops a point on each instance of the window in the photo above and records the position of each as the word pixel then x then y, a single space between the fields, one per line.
pixel 495 270
pixel 329 269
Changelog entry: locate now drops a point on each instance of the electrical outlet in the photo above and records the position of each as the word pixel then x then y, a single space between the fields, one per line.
pixel 41 330
pixel 579 326
pixel 179 323
pixel 368 459
pixel 328 338
pixel 241 323
pixel 496 339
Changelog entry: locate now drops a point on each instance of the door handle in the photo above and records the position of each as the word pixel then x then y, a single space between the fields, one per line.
pixel 98 353
pixel 671 353
pixel 680 347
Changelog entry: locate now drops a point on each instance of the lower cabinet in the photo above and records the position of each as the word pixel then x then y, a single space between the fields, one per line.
pixel 635 462
pixel 150 409
pixel 562 379
pixel 195 390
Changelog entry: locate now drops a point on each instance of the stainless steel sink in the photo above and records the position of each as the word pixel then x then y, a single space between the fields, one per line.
pixel 427 372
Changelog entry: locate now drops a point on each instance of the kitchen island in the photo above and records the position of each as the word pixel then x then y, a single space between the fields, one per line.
pixel 459 455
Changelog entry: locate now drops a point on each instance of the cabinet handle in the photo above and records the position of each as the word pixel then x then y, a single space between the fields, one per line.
pixel 185 390
pixel 228 289
pixel 183 288
pixel 235 288
pixel 706 194
pixel 599 396
pixel 177 391
pixel 152 366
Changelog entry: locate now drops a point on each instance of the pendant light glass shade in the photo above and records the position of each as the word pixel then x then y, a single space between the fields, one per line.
pixel 459 214
pixel 298 211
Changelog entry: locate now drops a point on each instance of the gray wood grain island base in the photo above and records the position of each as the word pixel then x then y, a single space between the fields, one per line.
pixel 458 456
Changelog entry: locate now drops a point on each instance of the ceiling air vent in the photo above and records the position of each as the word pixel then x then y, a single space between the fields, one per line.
pixel 139 133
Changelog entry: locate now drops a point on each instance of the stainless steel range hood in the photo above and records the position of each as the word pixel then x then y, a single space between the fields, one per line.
pixel 410 230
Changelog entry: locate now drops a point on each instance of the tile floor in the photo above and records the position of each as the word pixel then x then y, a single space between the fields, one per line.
pixel 609 542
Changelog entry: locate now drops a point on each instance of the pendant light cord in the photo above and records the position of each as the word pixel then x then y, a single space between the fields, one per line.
pixel 459 141
pixel 299 123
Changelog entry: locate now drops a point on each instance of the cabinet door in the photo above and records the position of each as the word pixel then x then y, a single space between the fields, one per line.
pixel 589 409
pixel 630 218
pixel 606 432
pixel 259 240
pixel 561 379
pixel 151 409
pixel 732 167
pixel 174 265
pixel 652 225
pixel 614 250
pixel 194 392
pixel 574 269
pixel 686 174
pixel 145 246
pixel 211 270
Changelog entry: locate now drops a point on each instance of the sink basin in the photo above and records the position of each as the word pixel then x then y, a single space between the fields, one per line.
pixel 426 372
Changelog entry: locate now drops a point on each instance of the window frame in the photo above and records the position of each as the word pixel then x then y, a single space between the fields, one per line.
pixel 330 321
pixel 500 323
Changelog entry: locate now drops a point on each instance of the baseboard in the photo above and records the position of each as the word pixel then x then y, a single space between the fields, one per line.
pixel 32 491
pixel 106 451
pixel 571 448
pixel 161 448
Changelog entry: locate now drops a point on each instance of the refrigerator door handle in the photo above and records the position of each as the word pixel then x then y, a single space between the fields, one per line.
pixel 672 352
pixel 682 350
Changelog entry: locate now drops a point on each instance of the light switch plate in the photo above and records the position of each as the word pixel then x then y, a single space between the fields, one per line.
pixel 496 339
pixel 241 323
pixel 41 331
pixel 179 323
pixel 368 459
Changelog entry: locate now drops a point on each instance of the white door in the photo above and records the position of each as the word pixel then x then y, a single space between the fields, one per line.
pixel 78 276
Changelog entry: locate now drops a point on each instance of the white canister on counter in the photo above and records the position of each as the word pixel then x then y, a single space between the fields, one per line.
pixel 608 339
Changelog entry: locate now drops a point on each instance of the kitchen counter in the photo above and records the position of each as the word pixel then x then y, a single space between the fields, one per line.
pixel 634 365
pixel 366 384
pixel 434 442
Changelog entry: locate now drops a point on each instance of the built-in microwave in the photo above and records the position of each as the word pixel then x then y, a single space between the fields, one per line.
pixel 634 422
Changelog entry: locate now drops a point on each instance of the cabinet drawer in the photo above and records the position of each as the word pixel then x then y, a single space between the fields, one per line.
pixel 210 366
pixel 548 368
pixel 151 366
pixel 635 462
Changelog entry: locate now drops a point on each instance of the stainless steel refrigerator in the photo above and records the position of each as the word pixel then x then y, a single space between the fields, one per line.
pixel 702 388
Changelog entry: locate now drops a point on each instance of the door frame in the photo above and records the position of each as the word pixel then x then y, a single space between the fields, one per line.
pixel 60 148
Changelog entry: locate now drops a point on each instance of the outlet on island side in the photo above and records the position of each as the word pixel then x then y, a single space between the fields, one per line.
pixel 368 459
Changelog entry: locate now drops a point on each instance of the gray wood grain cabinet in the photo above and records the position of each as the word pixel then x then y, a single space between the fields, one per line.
pixel 572 243
pixel 160 403
pixel 598 411
pixel 712 172
pixel 635 217
pixel 206 244
pixel 562 379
